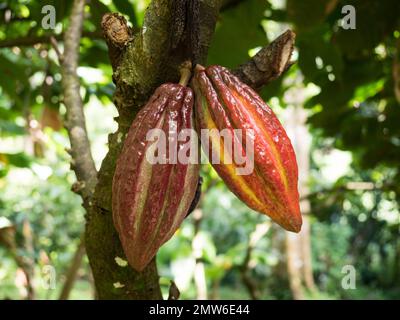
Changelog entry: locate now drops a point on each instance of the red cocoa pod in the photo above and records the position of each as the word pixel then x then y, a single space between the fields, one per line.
pixel 222 101
pixel 150 200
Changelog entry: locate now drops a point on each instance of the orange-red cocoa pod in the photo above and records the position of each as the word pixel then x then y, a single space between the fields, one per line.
pixel 149 201
pixel 222 101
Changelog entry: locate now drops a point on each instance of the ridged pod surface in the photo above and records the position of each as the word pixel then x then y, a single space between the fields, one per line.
pixel 222 101
pixel 149 201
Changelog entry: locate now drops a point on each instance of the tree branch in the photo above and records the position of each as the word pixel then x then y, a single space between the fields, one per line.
pixel 29 41
pixel 82 161
pixel 269 63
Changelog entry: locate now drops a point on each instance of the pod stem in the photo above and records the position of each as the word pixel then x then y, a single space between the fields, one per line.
pixel 185 70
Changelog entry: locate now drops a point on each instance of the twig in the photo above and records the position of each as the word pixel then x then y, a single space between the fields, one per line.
pixel 83 163
pixel 54 43
pixel 269 63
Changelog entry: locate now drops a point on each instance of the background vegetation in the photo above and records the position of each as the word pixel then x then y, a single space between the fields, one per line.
pixel 340 103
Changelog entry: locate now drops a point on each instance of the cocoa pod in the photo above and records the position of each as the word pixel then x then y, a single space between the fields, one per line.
pixel 222 101
pixel 150 200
